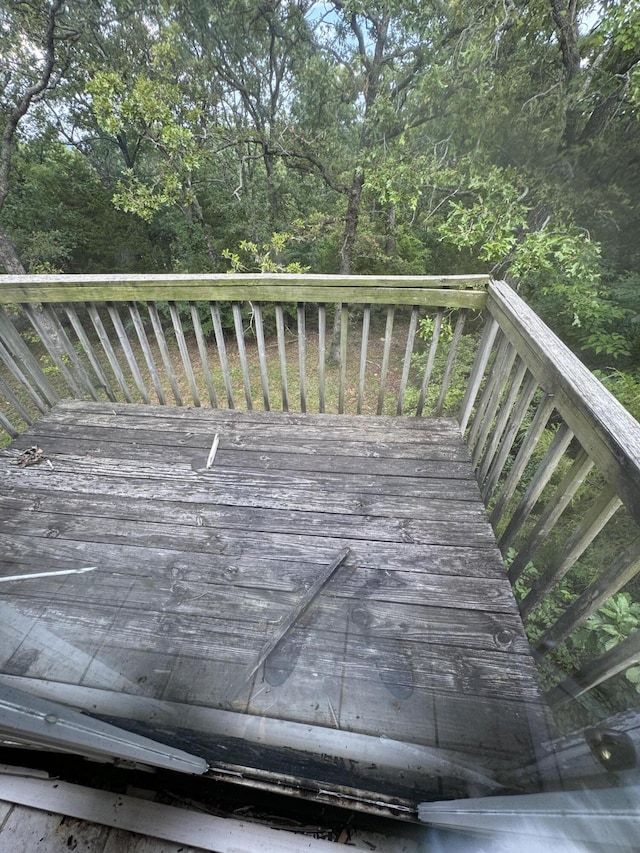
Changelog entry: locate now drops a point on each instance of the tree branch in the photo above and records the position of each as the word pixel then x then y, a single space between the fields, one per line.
pixel 24 103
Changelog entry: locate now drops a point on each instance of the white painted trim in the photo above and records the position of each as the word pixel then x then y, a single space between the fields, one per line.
pixel 208 832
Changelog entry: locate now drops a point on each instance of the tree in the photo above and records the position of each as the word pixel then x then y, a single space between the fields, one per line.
pixel 29 38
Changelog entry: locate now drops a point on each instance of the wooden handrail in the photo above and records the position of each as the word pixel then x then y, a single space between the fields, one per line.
pixel 609 434
pixel 393 290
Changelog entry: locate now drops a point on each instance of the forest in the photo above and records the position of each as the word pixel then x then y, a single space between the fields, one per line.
pixel 446 136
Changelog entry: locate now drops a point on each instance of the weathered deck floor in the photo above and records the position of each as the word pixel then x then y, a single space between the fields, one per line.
pixel 416 638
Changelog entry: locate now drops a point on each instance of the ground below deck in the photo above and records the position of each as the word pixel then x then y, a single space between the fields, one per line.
pixel 416 637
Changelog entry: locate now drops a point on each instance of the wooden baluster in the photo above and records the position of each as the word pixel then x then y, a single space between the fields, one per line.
pixel 158 331
pixel 204 356
pixel 222 352
pixel 451 360
pixel 498 388
pixel 534 433
pixel 364 346
pixel 495 438
pixel 53 343
pixel 242 353
pixel 516 419
pixel 103 337
pixel 91 354
pixel 8 427
pixel 603 509
pixel 431 359
pixel 388 339
pixel 282 355
pixel 620 571
pixel 344 331
pixel 128 352
pixel 477 371
pixel 322 355
pixel 556 505
pixel 501 349
pixel 15 402
pixel 17 373
pixel 617 659
pixel 262 355
pixel 138 325
pixel 184 352
pixel 406 363
pixel 302 358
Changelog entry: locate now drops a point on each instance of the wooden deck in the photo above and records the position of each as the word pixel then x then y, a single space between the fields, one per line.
pixel 416 638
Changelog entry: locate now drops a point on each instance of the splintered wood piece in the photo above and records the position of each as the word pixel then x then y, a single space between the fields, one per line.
pixel 290 620
pixel 213 451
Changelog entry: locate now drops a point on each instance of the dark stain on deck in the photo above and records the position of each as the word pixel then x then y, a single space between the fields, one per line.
pixel 416 637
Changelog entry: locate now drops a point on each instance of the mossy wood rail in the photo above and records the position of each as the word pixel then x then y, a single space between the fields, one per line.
pixel 544 434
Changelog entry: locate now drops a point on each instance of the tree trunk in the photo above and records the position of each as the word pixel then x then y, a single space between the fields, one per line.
pixel 351 222
pixel 346 255
pixel 8 256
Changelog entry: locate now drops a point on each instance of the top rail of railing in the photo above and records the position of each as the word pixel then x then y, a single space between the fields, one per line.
pixel 462 291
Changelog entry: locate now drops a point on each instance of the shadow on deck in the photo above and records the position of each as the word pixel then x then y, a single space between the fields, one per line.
pixel 409 676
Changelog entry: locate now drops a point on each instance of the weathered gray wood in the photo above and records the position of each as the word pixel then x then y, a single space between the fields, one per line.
pixel 8 426
pixel 78 328
pixel 364 346
pixel 527 448
pixel 537 484
pixel 552 511
pixel 204 356
pixel 384 369
pixel 184 352
pixel 344 332
pixel 451 360
pixel 222 352
pixel 8 394
pixel 196 566
pixel 509 421
pixel 623 569
pixel 490 402
pixel 128 352
pixel 322 353
pixel 292 617
pixel 17 373
pixel 431 358
pixel 617 659
pixel 53 336
pixel 602 510
pixel 425 290
pixel 499 351
pixel 302 360
pixel 262 355
pixel 138 325
pixel 98 325
pixel 406 363
pixel 52 343
pixel 477 371
pixel 50 321
pixel 513 428
pixel 242 353
pixel 282 355
pixel 18 349
pixel 609 434
pixel 161 340
pixel 503 413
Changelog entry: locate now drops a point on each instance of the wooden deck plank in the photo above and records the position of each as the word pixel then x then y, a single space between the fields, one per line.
pixel 195 570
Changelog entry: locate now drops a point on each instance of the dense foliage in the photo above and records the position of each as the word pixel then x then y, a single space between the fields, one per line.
pixel 380 137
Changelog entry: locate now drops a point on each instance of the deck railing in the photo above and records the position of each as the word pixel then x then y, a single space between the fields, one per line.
pixel 557 457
